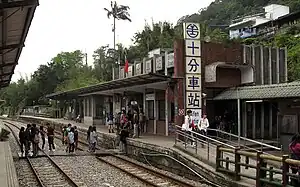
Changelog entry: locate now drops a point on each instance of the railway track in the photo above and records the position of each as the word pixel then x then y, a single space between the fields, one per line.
pixel 46 170
pixel 145 174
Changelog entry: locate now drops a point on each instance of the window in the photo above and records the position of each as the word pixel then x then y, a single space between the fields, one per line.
pixel 150 110
pixel 162 110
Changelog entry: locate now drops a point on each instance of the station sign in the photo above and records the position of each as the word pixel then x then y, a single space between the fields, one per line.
pixel 193 86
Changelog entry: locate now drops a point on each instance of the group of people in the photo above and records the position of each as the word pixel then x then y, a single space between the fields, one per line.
pixel 70 138
pixel 190 125
pixel 31 136
pixel 133 121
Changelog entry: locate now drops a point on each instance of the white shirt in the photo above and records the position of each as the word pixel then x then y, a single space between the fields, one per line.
pixel 203 124
pixel 187 123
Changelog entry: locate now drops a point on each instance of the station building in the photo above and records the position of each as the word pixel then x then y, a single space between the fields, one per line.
pixel 254 77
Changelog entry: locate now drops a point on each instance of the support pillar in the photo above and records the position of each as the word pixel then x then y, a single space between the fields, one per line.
pixel 270 120
pixel 155 113
pixel 253 121
pixel 262 64
pixel 145 107
pixel 277 66
pixel 270 66
pixel 262 122
pixel 239 120
pixel 167 112
pixel 244 118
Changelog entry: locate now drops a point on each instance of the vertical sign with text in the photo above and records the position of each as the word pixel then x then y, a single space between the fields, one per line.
pixel 193 89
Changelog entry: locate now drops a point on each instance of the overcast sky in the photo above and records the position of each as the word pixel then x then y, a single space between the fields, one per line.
pixel 67 25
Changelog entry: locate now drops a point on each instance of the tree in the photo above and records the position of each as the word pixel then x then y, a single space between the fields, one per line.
pixel 119 12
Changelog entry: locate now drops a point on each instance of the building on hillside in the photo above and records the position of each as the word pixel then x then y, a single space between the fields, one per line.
pixel 247 26
pixel 251 74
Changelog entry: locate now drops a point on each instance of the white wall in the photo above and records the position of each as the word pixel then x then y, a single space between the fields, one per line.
pixel 247 75
pixel 275 11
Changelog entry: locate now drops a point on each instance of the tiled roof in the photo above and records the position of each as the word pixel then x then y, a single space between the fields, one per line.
pixel 284 90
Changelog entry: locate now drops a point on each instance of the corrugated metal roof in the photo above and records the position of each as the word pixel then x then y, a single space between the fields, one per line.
pixel 114 84
pixel 16 17
pixel 284 90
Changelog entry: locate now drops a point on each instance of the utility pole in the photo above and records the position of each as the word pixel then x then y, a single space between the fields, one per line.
pixel 86 59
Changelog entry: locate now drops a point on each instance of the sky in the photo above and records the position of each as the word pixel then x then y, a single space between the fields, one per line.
pixel 68 25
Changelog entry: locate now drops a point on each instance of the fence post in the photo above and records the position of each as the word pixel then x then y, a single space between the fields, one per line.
pixel 258 169
pixel 285 171
pixel 218 156
pixel 237 164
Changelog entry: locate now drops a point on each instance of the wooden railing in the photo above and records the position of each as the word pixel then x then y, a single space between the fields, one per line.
pixel 262 172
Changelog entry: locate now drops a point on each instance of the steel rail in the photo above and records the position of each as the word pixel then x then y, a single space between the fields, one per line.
pixel 70 180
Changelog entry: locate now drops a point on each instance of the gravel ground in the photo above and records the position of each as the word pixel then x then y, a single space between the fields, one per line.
pixel 25 175
pixel 97 174
pixel 196 184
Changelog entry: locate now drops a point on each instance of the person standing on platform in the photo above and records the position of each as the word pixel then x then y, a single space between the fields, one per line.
pixel 117 122
pixel 75 137
pixel 124 119
pixel 110 120
pixel 35 140
pixel 93 139
pixel 135 120
pixel 71 140
pixel 23 141
pixel 203 124
pixel 142 122
pixel 42 132
pixel 187 126
pixel 50 134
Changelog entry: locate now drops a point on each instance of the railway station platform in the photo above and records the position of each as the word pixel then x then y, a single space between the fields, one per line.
pixel 163 144
pixel 8 175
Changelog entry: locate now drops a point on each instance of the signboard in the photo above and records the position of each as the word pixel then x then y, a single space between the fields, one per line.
pixel 191 31
pixel 196 115
pixel 193 88
pixel 159 63
pixel 138 68
pixel 130 71
pixel 148 66
pixel 170 62
pixel 150 97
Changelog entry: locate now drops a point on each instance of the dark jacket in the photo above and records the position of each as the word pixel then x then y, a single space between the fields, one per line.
pixel 50 131
pixel 22 136
pixel 75 135
pixel 123 135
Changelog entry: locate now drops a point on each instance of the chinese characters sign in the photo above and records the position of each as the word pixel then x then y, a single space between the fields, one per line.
pixel 193 100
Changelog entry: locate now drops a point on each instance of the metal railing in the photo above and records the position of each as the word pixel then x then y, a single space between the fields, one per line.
pixel 244 142
pixel 259 170
pixel 202 145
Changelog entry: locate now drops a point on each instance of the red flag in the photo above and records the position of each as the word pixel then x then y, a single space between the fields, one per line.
pixel 126 66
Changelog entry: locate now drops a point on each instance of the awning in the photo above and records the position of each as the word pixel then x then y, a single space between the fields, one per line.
pixel 273 91
pixel 16 17
pixel 115 84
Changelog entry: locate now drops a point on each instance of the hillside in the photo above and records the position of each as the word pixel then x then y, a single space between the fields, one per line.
pixel 221 12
